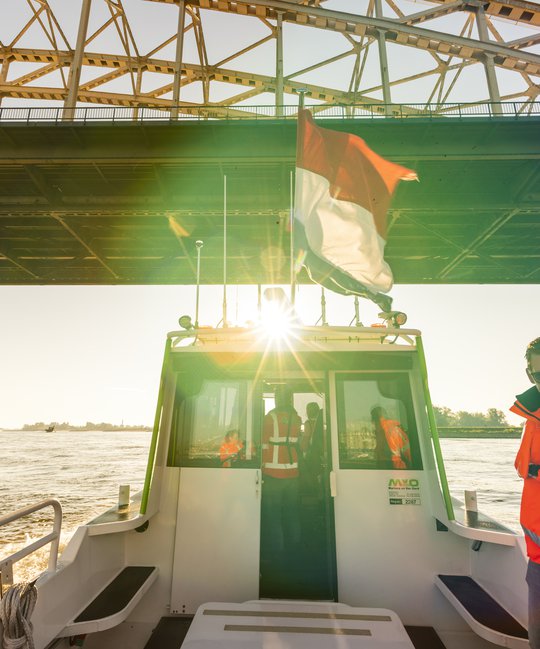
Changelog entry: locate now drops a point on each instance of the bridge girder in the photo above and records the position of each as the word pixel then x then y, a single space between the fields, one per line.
pixel 125 203
pixel 436 80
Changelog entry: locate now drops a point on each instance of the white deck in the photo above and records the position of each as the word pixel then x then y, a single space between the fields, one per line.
pixel 272 624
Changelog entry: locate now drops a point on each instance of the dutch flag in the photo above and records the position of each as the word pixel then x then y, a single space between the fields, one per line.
pixel 343 191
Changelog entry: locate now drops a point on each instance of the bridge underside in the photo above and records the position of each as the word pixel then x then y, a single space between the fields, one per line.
pixel 102 203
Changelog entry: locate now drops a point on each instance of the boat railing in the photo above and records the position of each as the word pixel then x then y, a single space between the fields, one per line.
pixel 6 563
pixel 327 334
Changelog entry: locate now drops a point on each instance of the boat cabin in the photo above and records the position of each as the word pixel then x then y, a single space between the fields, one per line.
pixel 295 493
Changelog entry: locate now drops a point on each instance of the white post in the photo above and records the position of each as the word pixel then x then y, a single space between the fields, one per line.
pixel 225 324
pixel 291 238
pixel 199 245
pixel 323 308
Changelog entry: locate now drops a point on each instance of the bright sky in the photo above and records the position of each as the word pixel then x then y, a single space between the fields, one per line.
pixel 94 353
pixel 90 353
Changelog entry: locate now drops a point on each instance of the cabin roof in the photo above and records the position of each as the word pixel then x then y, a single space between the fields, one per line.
pixel 310 339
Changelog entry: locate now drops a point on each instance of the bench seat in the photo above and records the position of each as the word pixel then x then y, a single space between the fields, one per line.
pixel 482 612
pixel 114 603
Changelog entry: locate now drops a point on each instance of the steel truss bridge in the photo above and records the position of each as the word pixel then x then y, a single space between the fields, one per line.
pixel 120 119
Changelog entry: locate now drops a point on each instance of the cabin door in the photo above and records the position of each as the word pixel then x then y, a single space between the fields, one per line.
pixel 216 552
pixel 375 486
pixel 297 555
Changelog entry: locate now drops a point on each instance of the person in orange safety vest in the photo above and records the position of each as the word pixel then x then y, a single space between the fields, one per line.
pixel 230 449
pixel 392 440
pixel 280 493
pixel 527 463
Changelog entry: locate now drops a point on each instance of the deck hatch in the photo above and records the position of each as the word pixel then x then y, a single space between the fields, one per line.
pixel 298 614
pixel 261 628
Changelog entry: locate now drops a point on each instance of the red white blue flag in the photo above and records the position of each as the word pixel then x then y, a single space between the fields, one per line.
pixel 343 191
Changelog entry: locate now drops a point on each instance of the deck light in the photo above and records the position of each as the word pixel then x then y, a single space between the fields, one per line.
pixel 395 318
pixel 185 322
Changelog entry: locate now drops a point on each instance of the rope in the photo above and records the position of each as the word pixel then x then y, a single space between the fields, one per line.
pixel 16 608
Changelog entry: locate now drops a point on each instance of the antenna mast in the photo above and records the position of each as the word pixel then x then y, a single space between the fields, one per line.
pixel 301 93
pixel 225 324
pixel 199 245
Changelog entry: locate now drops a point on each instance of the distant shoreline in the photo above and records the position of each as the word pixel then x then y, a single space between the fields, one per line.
pixel 477 432
pixel 455 432
pixel 78 429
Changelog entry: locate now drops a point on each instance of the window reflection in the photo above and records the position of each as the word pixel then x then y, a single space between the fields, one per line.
pixel 213 426
pixel 376 425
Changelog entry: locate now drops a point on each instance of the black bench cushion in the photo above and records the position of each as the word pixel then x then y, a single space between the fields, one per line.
pixel 483 608
pixel 117 595
pixel 424 637
pixel 169 633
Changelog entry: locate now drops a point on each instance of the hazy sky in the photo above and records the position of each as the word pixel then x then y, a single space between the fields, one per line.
pixel 94 353
pixel 85 353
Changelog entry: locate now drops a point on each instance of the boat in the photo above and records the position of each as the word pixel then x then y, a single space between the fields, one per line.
pixel 50 428
pixel 388 558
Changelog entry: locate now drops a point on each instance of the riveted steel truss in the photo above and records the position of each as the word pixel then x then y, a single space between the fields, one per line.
pixel 221 53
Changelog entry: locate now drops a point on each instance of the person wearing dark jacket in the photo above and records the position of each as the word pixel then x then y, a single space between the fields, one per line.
pixel 527 463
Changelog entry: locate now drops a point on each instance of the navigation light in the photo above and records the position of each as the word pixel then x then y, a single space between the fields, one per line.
pixel 395 318
pixel 185 322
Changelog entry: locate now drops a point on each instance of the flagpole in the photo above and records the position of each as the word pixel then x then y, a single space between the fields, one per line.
pixel 291 238
pixel 199 245
pixel 225 251
pixel 301 93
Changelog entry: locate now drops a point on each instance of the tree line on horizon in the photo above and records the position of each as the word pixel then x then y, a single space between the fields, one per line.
pixel 90 425
pixel 444 417
pixel 447 418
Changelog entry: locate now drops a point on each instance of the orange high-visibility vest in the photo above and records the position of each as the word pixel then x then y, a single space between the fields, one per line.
pixel 281 434
pixel 527 405
pixel 398 443
pixel 229 452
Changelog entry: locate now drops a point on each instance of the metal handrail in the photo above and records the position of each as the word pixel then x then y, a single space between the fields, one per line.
pixel 85 114
pixel 6 564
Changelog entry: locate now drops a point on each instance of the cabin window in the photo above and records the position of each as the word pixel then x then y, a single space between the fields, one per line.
pixel 376 424
pixel 211 425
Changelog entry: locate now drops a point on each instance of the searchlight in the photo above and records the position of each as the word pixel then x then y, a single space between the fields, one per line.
pixel 394 318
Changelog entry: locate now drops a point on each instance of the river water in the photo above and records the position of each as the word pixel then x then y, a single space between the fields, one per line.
pixel 84 469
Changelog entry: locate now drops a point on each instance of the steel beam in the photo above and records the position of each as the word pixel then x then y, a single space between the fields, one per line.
pixel 383 59
pixel 489 67
pixel 77 62
pixel 177 78
pixel 279 65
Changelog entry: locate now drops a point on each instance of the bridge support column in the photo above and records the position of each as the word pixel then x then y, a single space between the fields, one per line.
pixel 383 60
pixel 76 64
pixel 4 72
pixel 279 65
pixel 177 80
pixel 489 66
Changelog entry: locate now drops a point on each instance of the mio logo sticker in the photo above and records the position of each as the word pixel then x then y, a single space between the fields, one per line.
pixel 404 491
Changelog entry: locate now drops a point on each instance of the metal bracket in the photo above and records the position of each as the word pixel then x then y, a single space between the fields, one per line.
pixel 6 575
